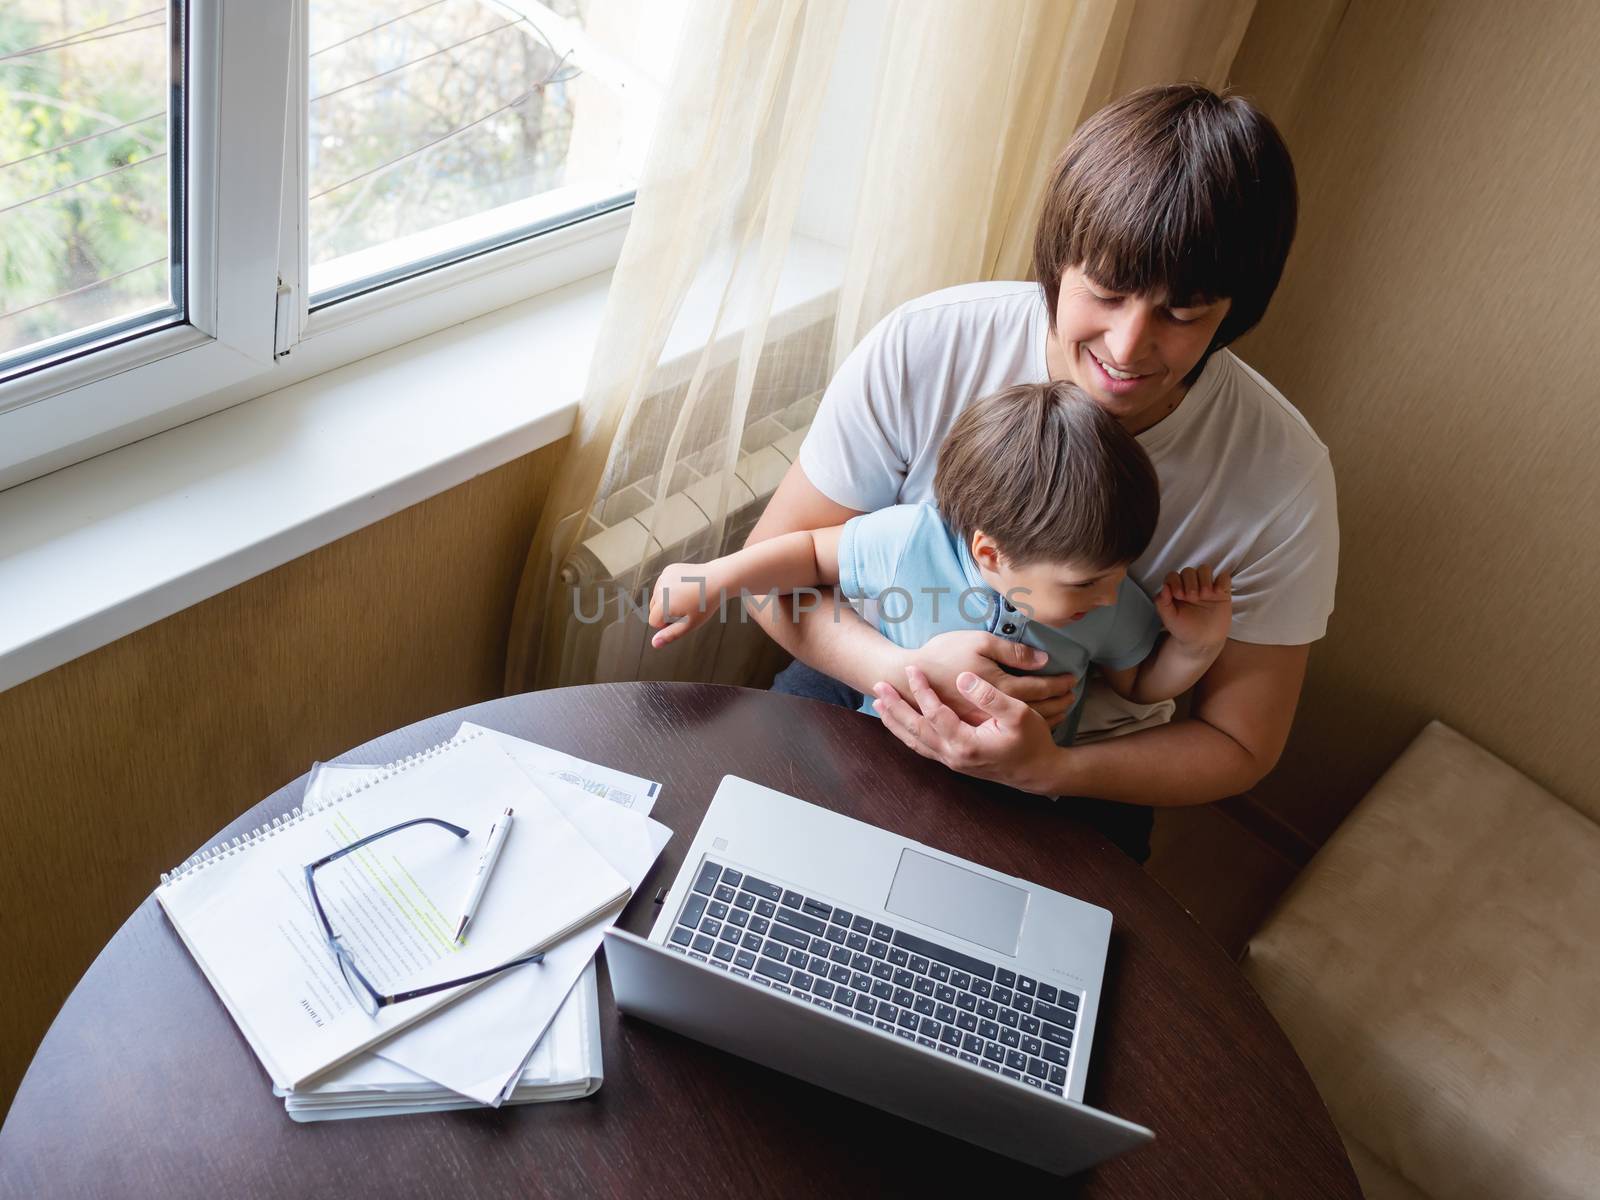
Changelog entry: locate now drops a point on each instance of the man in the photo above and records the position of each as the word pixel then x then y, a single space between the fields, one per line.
pixel 1163 235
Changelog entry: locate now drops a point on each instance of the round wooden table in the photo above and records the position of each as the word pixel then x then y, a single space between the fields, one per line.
pixel 143 1086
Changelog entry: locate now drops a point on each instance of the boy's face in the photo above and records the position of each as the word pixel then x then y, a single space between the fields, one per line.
pixel 1130 353
pixel 1056 593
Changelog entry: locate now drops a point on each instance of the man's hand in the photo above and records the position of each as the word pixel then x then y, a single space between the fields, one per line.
pixel 684 598
pixel 1012 745
pixel 942 660
pixel 1196 609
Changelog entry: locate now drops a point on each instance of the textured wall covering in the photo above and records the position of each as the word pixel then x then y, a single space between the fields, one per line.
pixel 120 764
pixel 1439 324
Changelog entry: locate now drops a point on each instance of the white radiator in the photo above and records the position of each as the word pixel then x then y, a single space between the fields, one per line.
pixel 608 640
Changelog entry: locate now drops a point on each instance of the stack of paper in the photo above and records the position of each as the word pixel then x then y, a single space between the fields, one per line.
pixel 527 1035
pixel 565 1065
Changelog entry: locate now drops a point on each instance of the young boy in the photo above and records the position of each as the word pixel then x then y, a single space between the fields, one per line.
pixel 1043 500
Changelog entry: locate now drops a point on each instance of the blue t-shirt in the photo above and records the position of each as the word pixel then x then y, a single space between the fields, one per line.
pixel 924 582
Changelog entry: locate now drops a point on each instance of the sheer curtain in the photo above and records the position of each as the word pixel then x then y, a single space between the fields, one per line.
pixel 817 162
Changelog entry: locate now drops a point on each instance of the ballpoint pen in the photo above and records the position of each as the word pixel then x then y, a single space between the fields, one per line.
pixel 486 861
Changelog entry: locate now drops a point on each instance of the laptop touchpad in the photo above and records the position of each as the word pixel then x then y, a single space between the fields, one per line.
pixel 958 901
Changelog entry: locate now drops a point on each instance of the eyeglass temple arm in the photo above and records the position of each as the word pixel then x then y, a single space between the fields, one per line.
pixel 372 837
pixel 454 983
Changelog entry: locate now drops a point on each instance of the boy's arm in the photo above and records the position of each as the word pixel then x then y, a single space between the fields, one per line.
pixel 1197 612
pixel 836 641
pixel 686 594
pixel 1167 674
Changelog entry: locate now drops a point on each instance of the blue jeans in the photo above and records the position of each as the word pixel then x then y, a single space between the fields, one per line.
pixel 1127 826
pixel 797 679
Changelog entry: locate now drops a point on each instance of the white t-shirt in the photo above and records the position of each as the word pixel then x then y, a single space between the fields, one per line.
pixel 1245 483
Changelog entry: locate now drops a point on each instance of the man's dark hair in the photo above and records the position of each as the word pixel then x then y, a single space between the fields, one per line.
pixel 1175 189
pixel 1050 476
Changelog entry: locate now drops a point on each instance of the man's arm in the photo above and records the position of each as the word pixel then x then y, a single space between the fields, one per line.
pixel 1243 709
pixel 835 640
pixel 1236 729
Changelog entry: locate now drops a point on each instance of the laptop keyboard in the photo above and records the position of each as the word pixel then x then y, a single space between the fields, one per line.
pixel 863 970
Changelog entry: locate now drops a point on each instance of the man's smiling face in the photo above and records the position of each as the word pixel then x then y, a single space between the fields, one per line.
pixel 1131 353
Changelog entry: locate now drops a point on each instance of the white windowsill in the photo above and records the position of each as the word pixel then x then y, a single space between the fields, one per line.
pixel 100 549
pixel 95 551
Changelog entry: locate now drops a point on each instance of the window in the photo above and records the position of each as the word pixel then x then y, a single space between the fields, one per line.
pixel 448 129
pixel 204 200
pixel 90 156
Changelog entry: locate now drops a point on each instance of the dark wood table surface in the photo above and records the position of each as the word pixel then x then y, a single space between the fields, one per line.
pixel 144 1087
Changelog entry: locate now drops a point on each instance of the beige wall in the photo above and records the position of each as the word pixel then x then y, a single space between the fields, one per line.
pixel 120 764
pixel 1439 324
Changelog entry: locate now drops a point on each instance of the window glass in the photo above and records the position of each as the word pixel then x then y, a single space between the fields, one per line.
pixel 438 129
pixel 90 239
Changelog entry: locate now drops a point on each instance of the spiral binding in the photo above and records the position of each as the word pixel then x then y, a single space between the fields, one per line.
pixel 202 859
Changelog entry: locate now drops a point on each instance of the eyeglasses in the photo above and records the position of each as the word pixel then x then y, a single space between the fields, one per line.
pixel 367 996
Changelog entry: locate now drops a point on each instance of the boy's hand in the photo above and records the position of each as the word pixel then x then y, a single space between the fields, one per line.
pixel 684 599
pixel 1196 609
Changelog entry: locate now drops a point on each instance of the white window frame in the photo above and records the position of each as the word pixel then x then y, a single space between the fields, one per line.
pixel 234 156
pixel 249 330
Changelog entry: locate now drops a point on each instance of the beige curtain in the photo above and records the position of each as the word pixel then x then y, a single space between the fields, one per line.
pixel 817 162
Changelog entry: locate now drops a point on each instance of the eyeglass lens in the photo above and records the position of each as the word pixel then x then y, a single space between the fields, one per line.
pixel 367 1001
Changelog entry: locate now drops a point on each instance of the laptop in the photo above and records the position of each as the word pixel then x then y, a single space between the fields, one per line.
pixel 884 970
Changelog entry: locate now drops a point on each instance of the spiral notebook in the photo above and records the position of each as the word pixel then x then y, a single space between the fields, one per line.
pixel 242 908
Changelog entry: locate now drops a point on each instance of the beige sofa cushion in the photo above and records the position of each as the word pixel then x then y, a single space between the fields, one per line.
pixel 1437 966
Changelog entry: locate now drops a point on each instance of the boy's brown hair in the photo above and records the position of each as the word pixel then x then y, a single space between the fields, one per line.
pixel 1050 476
pixel 1173 189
